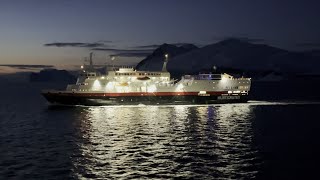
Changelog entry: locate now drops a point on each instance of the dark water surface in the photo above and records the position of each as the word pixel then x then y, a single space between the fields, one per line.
pixel 259 139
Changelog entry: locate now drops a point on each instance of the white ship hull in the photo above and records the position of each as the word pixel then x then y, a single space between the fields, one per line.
pixel 96 99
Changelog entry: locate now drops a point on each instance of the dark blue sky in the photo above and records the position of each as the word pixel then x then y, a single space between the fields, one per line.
pixel 27 25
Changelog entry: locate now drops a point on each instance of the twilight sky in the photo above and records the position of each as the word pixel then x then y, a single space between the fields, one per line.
pixel 63 32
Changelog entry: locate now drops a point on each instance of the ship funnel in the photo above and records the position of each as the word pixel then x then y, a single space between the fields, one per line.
pixel 164 67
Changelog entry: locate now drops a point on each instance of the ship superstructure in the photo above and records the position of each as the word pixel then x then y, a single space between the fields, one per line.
pixel 126 85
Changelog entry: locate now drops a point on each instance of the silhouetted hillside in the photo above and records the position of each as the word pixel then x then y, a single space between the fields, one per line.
pixel 155 60
pixel 52 75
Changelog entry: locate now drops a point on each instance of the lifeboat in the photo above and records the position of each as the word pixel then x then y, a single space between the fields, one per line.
pixel 143 78
pixel 123 84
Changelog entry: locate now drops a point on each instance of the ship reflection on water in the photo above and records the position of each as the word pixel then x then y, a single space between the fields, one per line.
pixel 167 142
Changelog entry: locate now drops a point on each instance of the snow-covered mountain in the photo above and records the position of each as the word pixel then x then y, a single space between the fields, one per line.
pixel 232 53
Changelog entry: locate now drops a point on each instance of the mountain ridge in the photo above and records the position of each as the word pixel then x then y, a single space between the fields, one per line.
pixel 236 54
pixel 158 54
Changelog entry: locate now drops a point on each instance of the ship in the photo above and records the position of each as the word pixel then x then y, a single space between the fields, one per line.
pixel 128 86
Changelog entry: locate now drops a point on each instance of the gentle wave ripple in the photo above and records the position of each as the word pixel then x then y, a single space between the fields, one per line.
pixel 162 142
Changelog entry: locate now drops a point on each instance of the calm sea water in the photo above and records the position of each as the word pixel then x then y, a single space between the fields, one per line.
pixel 255 140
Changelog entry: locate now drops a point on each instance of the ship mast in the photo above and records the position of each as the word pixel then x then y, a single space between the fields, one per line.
pixel 164 67
pixel 113 57
pixel 90 60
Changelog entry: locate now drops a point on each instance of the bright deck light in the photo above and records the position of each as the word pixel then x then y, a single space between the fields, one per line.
pixel 180 87
pixel 96 85
pixel 224 79
pixel 152 88
pixel 110 85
